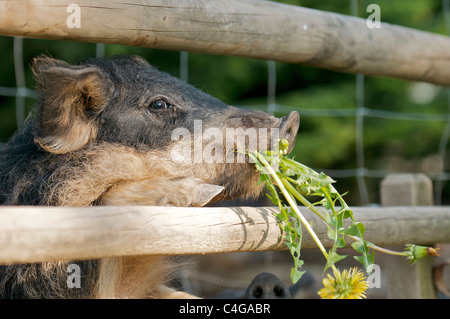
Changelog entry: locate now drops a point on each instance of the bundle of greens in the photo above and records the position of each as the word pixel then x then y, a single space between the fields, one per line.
pixel 299 183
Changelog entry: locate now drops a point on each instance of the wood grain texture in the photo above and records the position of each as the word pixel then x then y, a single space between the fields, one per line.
pixel 32 234
pixel 251 28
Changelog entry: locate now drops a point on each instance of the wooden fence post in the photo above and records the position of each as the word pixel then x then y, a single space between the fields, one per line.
pixel 405 280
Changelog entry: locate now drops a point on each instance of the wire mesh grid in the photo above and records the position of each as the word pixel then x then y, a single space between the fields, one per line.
pixel 359 112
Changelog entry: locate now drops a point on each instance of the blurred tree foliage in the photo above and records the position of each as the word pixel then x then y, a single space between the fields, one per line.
pixel 326 142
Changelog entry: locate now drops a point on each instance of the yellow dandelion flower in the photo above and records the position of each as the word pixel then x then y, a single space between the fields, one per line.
pixel 346 285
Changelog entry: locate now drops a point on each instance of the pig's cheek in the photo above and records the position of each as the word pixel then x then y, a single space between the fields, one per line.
pixel 180 150
pixel 162 191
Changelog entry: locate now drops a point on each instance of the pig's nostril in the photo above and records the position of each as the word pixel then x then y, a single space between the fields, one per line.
pixel 278 291
pixel 289 126
pixel 257 292
pixel 288 133
pixel 267 286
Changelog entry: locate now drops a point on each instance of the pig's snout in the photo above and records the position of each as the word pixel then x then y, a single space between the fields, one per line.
pixel 267 286
pixel 289 128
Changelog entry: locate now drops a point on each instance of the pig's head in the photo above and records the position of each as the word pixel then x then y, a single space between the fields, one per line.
pixel 126 101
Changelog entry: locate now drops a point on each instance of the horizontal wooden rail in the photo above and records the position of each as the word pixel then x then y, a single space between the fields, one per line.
pixel 33 234
pixel 251 28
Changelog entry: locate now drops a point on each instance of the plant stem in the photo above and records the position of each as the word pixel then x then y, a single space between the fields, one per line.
pixel 380 249
pixel 294 206
pixel 301 198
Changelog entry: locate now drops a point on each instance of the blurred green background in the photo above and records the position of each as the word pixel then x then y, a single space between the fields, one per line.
pixel 324 142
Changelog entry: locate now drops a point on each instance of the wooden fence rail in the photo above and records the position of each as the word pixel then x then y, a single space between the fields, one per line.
pixel 256 29
pixel 33 234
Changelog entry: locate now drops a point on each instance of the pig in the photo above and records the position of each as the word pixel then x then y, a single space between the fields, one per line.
pixel 101 133
pixel 263 286
pixel 268 286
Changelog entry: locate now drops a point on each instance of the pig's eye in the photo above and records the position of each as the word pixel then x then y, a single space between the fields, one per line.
pixel 160 104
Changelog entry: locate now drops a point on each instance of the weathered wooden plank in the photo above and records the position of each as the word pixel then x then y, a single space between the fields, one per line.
pixel 251 28
pixel 32 234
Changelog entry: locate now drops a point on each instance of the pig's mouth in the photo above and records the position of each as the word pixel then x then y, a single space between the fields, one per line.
pixel 240 178
pixel 213 159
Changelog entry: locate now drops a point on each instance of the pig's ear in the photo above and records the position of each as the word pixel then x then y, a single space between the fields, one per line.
pixel 205 193
pixel 69 99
